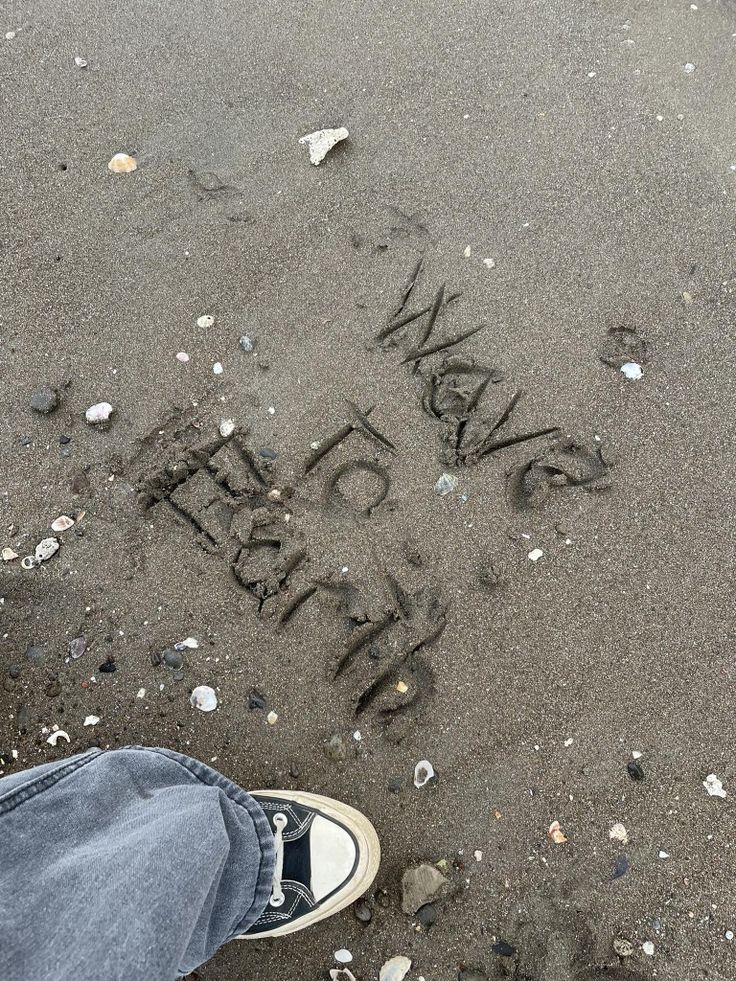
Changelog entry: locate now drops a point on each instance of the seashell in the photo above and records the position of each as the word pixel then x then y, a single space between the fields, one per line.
pixel 62 523
pixel 205 321
pixel 97 413
pixel 92 720
pixel 343 956
pixel 322 141
pixel 395 969
pixel 122 163
pixel 56 736
pixel 30 562
pixel 341 974
pixel 80 62
pixel 8 555
pixel 77 647
pixel 217 368
pixel 183 357
pixel 272 718
pixel 46 548
pixel 227 427
pixel 632 370
pixel 188 642
pixel 423 773
pixel 555 833
pixel 204 699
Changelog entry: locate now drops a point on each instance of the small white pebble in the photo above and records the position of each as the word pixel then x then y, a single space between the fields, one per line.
pixel 217 368
pixel 693 6
pixel 568 742
pixel 660 119
pixel 227 427
pixel 478 855
pixel 205 321
pixel 467 251
pixel 343 956
pixel 357 735
pixel 689 68
pixel 636 754
pixel 315 445
pixel 80 62
pixel 271 410
pixel 535 555
pixel 632 370
pixel 663 855
pixel 272 718
pixel 92 720
pixel 592 74
pixel 489 263
pixel 648 948
pixel 10 35
pixel 183 357
pixel 728 934
pixel 141 693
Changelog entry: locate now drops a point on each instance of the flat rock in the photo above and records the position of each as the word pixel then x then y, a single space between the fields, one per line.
pixel 422 885
pixel 44 400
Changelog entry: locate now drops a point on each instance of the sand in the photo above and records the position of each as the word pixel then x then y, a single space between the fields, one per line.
pixel 530 135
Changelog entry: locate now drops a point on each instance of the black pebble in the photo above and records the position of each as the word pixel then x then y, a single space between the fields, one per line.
pixel 14 671
pixel 621 867
pixel 44 400
pixel 636 771
pixel 6 757
pixel 256 700
pixel 25 440
pixel 362 911
pixel 172 658
pixel 64 439
pixel 8 684
pixel 427 915
pixel 503 949
pixel 267 453
pixel 155 658
pixel 108 666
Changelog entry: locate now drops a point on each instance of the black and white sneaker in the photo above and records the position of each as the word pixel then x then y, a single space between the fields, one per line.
pixel 327 855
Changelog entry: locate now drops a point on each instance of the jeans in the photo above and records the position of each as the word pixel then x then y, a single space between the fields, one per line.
pixel 131 864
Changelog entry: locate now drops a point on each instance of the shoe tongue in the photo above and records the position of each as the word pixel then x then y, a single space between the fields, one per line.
pixel 298 861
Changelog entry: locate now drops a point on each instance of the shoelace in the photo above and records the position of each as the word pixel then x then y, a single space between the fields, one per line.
pixel 277 893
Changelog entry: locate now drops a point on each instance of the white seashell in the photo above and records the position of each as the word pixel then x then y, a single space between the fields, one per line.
pixel 46 548
pixel 188 642
pixel 322 141
pixel 99 412
pixel 80 62
pixel 227 427
pixel 205 321
pixel 489 263
pixel 141 693
pixel 183 357
pixel 343 956
pixel 618 833
pixel 446 484
pixel 92 720
pixel 714 786
pixel 8 555
pixel 395 969
pixel 204 699
pixel 423 773
pixel 535 555
pixel 341 974
pixel 217 368
pixel 121 163
pixel 632 370
pixel 62 523
pixel 56 736
pixel 29 562
pixel 272 718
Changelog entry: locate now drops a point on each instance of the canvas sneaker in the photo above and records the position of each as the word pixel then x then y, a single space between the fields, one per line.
pixel 327 855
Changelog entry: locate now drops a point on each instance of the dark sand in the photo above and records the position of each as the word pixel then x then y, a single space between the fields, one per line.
pixel 472 124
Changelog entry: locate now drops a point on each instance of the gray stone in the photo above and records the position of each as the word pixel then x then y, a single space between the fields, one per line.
pixel 45 400
pixel 246 343
pixel 173 659
pixel 335 749
pixel 422 885
pixel 35 653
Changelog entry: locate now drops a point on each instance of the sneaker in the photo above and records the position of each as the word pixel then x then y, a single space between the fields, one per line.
pixel 327 855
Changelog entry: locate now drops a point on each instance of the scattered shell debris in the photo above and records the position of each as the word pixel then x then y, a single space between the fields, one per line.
pixel 489 263
pixel 688 68
pixel 122 163
pixel 714 786
pixel 203 698
pixel 322 141
pixel 53 739
pixel 395 969
pixel 423 773
pixel 632 370
pixel 217 368
pixel 62 523
pixel 555 833
pixel 92 720
pixel 97 413
pixel 401 687
pixel 141 693
pixel 648 948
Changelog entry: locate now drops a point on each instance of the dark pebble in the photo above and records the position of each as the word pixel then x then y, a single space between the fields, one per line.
pixel 382 898
pixel 14 671
pixel 427 915
pixel 23 718
pixel 8 684
pixel 53 688
pixel 503 949
pixel 108 666
pixel 256 700
pixel 178 675
pixel 362 911
pixel 267 453
pixel 45 400
pixel 294 771
pixel 25 440
pixel 63 439
pixel 172 659
pixel 155 658
pixel 620 867
pixel 636 771
pixel 6 757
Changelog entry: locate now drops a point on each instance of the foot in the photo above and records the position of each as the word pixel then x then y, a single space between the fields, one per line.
pixel 327 855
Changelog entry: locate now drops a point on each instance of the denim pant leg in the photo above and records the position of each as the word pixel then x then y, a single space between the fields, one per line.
pixel 129 865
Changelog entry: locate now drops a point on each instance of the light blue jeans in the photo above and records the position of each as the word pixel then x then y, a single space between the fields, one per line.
pixel 132 864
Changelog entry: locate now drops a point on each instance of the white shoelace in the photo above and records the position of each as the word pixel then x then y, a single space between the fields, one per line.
pixel 277 893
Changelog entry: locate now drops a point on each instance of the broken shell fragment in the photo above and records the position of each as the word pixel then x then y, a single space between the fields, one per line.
pixel 30 562
pixel 92 720
pixel 618 833
pixel 188 643
pixel 122 163
pixel 56 736
pixel 714 786
pixel 272 718
pixel 62 523
pixel 227 428
pixel 341 974
pixel 80 62
pixel 555 833
pixel 395 969
pixel 446 484
pixel 97 413
pixel 205 321
pixel 204 699
pixel 632 370
pixel 46 548
pixel 423 773
pixel 8 555
pixel 322 141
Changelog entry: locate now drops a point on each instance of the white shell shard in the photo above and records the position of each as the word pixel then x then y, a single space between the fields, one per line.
pixel 80 62
pixel 341 974
pixel 56 736
pixel 714 786
pixel 62 523
pixel 92 720
pixel 489 263
pixel 204 699
pixel 97 413
pixel 446 484
pixel 272 718
pixel 141 693
pixel 183 357
pixel 8 555
pixel 227 427
pixel 632 370
pixel 648 948
pixel 689 68
pixel 217 368
pixel 188 643
pixel 46 548
pixel 343 956
pixel 535 555
pixel 322 141
pixel 205 321
pixel 423 773
pixel 122 163
pixel 618 833
pixel 395 969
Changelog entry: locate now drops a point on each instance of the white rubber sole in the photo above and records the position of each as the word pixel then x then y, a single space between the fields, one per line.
pixel 369 858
